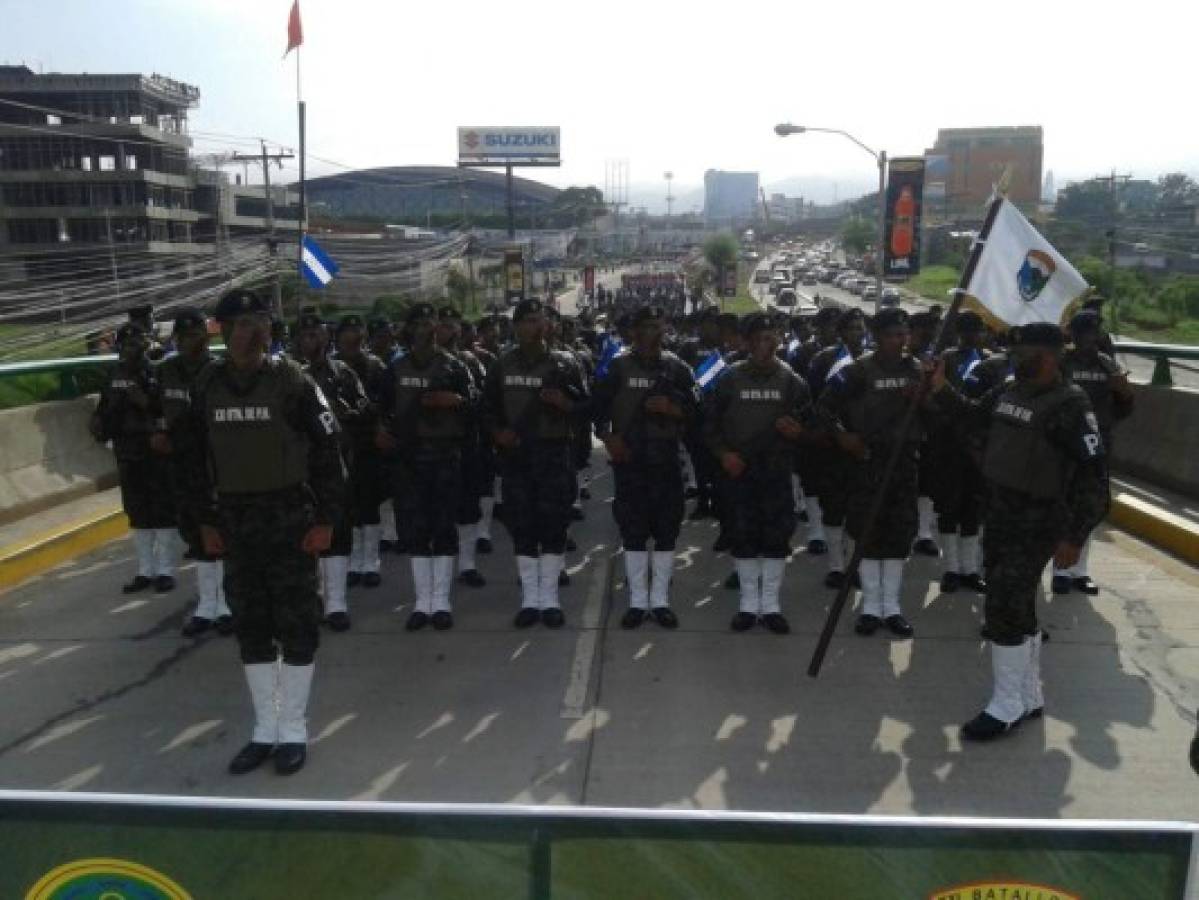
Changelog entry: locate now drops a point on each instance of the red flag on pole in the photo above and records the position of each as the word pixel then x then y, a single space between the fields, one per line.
pixel 295 34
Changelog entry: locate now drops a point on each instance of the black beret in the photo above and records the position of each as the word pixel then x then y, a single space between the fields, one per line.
pixel 728 320
pixel 525 308
pixel 708 313
pixel 756 322
pixel 189 317
pixel 309 320
pixel 624 320
pixel 241 302
pixel 1084 322
pixel 420 311
pixel 1039 334
pixel 922 320
pixel 648 314
pixel 889 317
pixel 970 322
pixel 448 314
pixel 353 320
pixel 849 316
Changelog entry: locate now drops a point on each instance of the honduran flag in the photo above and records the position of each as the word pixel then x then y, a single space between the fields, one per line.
pixel 611 349
pixel 708 372
pixel 317 266
pixel 844 358
pixel 969 364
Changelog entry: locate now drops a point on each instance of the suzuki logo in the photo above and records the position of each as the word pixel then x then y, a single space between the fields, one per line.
pixel 471 139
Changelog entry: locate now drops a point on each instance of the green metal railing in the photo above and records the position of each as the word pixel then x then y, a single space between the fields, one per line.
pixel 1161 354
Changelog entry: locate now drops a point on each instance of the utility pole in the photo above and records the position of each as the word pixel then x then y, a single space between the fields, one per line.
pixel 1113 181
pixel 272 242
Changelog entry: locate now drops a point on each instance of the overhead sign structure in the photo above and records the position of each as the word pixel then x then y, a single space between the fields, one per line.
pixel 905 198
pixel 508 146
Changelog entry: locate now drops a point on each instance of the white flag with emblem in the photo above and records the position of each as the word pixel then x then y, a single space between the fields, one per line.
pixel 1020 278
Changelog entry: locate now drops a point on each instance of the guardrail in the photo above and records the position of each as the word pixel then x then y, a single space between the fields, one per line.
pixel 1161 354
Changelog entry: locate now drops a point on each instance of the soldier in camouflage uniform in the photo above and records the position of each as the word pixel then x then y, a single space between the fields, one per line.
pixel 428 401
pixel 177 441
pixel 381 339
pixel 267 500
pixel 867 408
pixel 366 475
pixel 923 328
pixel 1106 386
pixel 347 398
pixel 642 408
pixel 128 414
pixel 1045 469
pixel 757 414
pixel 532 394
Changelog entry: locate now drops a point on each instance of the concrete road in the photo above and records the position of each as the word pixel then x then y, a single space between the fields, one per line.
pixel 100 693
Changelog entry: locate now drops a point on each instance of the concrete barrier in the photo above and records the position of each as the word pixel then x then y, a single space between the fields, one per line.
pixel 1160 442
pixel 47 457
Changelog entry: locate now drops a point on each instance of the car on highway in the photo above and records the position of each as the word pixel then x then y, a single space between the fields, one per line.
pixel 870 292
pixel 761 276
pixel 786 297
pixel 811 279
pixel 890 296
pixel 856 286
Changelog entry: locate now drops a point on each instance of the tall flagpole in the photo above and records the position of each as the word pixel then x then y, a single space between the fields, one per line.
pixel 303 223
pixel 880 494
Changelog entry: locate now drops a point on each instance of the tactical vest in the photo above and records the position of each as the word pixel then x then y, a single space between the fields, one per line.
pixel 254 449
pixel 638 383
pixel 175 380
pixel 1094 377
pixel 1019 454
pixel 521 386
pixel 878 413
pixel 414 422
pixel 757 402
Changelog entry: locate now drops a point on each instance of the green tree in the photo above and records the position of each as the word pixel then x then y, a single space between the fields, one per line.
pixel 577 206
pixel 1176 189
pixel 856 234
pixel 720 250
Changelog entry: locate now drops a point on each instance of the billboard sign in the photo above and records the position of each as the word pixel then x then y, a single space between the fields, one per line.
pixel 589 280
pixel 905 197
pixel 487 145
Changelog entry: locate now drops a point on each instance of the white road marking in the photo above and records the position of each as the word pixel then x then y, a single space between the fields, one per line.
pixel 579 681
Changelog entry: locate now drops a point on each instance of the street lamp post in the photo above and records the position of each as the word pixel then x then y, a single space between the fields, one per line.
pixel 880 158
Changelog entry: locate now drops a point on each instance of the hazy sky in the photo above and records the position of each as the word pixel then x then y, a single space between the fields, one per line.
pixel 675 86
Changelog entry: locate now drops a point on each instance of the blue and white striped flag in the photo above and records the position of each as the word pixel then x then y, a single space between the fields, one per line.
pixel 708 372
pixel 611 349
pixel 844 358
pixel 316 265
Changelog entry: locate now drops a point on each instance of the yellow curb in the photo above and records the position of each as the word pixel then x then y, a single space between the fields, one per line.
pixel 46 551
pixel 1157 526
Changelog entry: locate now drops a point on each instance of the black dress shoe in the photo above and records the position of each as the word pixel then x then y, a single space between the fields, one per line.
pixel 483 545
pixel 632 618
pixel 372 579
pixel 926 547
pixel 584 493
pixel 834 579
pixel 289 758
pixel 1038 713
pixel 164 584
pixel 196 626
pixel 733 581
pixel 867 624
pixel 899 626
pixel 527 617
pixel 1195 753
pixel 950 582
pixel 721 544
pixel 250 757
pixel 743 621
pixel 472 578
pixel 552 617
pixel 417 621
pixel 817 547
pixel 443 620
pixel 665 617
pixel 1061 584
pixel 1086 586
pixel 985 727
pixel 353 578
pixel 140 583
pixel 777 623
pixel 224 625
pixel 571 544
pixel 338 621
pixel 975 583
pixel 856 578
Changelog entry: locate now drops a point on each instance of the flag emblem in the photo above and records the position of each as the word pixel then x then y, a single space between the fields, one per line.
pixel 1038 268
pixel 709 371
pixel 471 139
